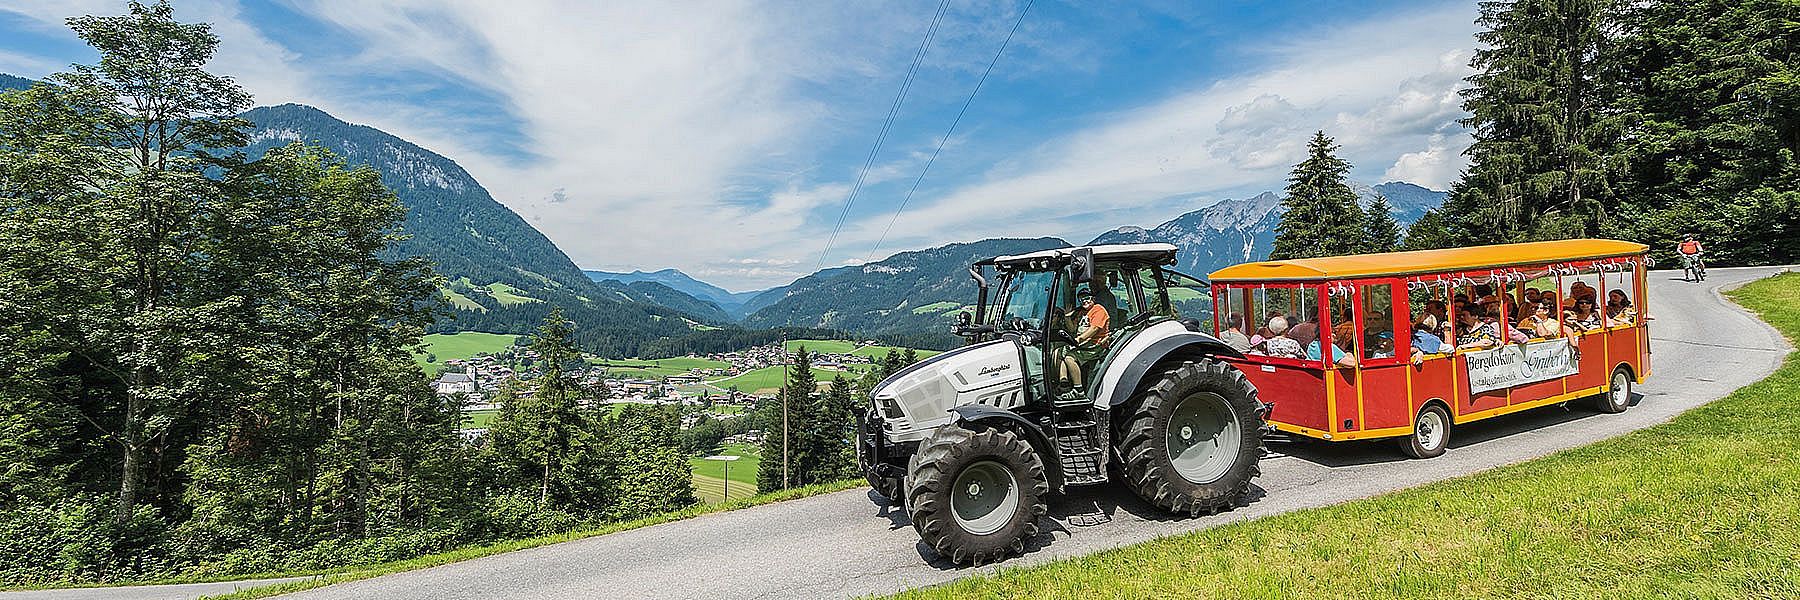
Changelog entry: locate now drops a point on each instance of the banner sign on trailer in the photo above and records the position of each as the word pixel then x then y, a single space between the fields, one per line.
pixel 1518 364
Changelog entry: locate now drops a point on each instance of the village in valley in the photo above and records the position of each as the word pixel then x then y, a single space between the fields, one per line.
pixel 719 385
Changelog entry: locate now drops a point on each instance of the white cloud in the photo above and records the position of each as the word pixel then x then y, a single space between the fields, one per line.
pixel 1440 163
pixel 1382 88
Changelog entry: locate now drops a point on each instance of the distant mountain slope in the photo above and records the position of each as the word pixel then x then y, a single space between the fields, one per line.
pixel 1235 231
pixel 514 273
pixel 9 82
pixel 655 293
pixel 910 293
pixel 730 302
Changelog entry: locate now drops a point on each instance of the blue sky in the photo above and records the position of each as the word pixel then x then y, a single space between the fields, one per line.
pixel 722 138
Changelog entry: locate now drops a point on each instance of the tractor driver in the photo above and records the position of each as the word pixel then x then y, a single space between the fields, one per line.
pixel 1091 327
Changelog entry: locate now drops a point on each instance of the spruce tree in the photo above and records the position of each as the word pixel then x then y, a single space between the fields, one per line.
pixel 539 432
pixel 1543 132
pixel 1322 217
pixel 779 439
pixel 1381 232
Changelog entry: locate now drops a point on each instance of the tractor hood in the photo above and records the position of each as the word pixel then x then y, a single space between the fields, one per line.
pixel 920 397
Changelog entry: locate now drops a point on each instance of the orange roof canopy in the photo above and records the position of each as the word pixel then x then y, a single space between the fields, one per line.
pixel 1429 261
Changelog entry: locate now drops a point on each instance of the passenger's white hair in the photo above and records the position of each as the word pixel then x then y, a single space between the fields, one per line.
pixel 1277 325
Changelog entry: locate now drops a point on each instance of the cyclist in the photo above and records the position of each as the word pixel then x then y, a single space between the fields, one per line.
pixel 1689 251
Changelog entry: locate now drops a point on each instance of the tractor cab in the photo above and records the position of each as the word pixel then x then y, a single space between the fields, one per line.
pixel 1035 300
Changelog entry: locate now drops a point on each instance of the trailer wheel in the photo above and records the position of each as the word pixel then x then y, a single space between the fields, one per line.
pixel 1617 396
pixel 1194 439
pixel 975 497
pixel 1431 433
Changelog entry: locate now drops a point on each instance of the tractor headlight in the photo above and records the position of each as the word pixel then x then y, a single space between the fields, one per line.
pixel 889 407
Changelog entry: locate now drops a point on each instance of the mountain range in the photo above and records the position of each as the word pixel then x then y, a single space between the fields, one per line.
pixel 502 274
pixel 1235 231
pixel 730 303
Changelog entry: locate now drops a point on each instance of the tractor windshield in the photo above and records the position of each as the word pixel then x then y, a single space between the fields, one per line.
pixel 1026 298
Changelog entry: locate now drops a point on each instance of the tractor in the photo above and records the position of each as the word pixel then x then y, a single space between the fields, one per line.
pixel 971 442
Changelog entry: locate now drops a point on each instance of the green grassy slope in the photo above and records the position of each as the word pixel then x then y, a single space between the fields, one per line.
pixel 1705 506
pixel 454 346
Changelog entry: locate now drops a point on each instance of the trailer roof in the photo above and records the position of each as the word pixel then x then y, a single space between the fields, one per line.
pixel 1428 261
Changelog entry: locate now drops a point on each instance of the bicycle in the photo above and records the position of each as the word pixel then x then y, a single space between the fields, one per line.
pixel 1693 268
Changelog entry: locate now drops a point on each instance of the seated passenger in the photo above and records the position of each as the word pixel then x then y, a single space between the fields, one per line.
pixel 1280 345
pixel 1619 312
pixel 1233 335
pixel 1584 318
pixel 1581 289
pixel 1542 322
pixel 1343 340
pixel 1424 342
pixel 1305 332
pixel 1475 332
pixel 1533 296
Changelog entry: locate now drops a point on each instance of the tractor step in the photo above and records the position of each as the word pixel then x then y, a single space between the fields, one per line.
pixel 1082 467
pixel 1066 425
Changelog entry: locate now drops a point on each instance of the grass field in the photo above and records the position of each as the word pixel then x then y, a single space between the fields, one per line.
pixel 709 482
pixel 652 369
pixel 936 307
pixel 1705 506
pixel 508 295
pixel 479 419
pixel 769 379
pixel 454 346
pixel 458 300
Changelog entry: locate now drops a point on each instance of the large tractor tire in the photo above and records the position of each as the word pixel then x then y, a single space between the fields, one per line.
pixel 1194 438
pixel 888 487
pixel 975 496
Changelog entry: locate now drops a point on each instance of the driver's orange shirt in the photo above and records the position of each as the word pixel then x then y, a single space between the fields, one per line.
pixel 1690 247
pixel 1097 319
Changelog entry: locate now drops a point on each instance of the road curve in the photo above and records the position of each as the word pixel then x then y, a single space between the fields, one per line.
pixel 842 544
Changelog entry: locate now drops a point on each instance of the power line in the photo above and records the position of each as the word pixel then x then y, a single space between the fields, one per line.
pixel 886 125
pixel 947 133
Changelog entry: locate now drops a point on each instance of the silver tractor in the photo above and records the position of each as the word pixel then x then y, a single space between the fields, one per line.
pixel 973 440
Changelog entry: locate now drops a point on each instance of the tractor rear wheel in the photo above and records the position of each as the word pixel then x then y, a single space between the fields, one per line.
pixel 975 496
pixel 1194 439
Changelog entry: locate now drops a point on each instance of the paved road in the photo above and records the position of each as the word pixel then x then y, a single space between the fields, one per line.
pixel 843 544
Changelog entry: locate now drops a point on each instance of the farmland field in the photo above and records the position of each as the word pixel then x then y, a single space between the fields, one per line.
pixel 461 345
pixel 709 483
pixel 770 378
pixel 652 369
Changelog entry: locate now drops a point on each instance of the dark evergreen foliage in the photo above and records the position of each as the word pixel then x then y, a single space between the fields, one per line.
pixel 1321 217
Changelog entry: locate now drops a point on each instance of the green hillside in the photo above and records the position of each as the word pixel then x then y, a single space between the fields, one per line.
pixel 441 347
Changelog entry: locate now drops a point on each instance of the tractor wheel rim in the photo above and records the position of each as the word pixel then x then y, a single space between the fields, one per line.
pixel 1621 390
pixel 1430 430
pixel 1203 438
pixel 984 497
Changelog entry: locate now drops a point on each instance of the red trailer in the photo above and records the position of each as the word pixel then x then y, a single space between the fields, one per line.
pixel 1407 344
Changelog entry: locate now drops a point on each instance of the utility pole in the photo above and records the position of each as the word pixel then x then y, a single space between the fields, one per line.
pixel 785 484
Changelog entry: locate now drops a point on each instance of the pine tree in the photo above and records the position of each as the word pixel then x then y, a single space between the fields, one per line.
pixel 541 432
pixel 653 475
pixel 1544 133
pixel 780 444
pixel 1382 233
pixel 1322 217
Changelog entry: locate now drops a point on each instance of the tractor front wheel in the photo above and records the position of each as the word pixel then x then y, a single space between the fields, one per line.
pixel 975 496
pixel 1194 439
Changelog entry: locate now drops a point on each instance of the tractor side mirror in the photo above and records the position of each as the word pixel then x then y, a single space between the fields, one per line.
pixel 1081 265
pixel 963 319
